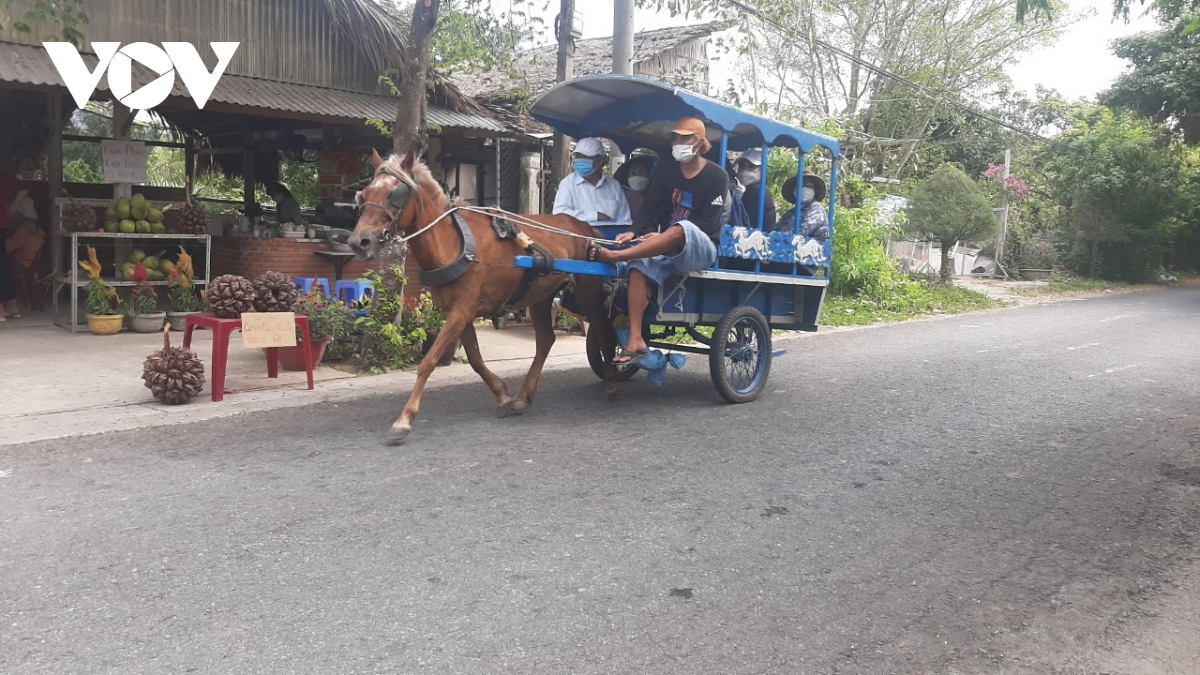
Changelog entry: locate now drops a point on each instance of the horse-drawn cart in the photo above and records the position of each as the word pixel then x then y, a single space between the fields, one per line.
pixel 762 279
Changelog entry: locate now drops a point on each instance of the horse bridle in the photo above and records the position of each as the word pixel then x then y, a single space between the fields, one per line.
pixel 398 200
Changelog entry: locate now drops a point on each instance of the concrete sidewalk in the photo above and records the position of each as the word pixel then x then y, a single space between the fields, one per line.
pixel 56 384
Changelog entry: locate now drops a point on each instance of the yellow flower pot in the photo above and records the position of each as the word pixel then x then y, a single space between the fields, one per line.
pixel 101 324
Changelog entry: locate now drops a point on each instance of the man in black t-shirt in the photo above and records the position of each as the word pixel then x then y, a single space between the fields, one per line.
pixel 677 230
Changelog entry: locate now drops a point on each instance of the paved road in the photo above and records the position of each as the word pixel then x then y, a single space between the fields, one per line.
pixel 1011 492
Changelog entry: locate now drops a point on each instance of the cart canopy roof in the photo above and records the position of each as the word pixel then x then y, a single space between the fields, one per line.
pixel 636 112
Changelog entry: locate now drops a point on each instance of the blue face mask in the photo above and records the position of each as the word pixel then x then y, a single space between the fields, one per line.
pixel 584 167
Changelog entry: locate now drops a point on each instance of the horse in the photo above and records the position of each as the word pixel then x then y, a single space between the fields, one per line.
pixel 403 201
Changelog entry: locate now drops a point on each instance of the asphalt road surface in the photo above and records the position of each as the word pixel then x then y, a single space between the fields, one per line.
pixel 1009 492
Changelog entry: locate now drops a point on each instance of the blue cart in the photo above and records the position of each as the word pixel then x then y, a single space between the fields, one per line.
pixel 761 281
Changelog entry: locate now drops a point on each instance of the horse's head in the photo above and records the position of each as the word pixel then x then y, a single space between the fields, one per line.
pixel 390 206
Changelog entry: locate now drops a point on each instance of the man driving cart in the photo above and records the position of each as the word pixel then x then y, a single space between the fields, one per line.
pixel 677 231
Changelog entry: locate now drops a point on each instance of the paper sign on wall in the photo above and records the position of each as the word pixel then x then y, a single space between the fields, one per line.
pixel 124 162
pixel 268 329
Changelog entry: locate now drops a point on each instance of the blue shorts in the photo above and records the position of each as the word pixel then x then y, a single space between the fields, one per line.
pixel 699 253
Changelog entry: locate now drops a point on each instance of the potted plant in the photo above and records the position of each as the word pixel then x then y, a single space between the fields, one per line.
pixel 103 306
pixel 182 297
pixel 143 310
pixel 328 319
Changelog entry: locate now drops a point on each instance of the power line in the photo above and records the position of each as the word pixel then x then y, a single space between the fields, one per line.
pixel 893 76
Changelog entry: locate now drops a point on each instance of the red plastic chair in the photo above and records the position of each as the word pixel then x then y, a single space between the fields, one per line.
pixel 222 329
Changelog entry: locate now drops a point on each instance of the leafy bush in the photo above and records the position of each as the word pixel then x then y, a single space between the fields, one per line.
pixel 392 334
pixel 861 266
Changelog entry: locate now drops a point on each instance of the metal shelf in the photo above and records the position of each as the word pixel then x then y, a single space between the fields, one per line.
pixel 124 284
pixel 76 283
pixel 122 235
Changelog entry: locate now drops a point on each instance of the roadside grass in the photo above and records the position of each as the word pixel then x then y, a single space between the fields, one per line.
pixel 937 300
pixel 843 311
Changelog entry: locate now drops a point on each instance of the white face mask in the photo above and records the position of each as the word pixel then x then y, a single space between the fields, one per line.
pixel 747 177
pixel 639 183
pixel 809 194
pixel 683 153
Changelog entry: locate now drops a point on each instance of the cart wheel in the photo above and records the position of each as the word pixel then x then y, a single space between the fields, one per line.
pixel 596 358
pixel 740 357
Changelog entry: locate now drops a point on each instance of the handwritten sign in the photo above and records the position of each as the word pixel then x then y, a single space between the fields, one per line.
pixel 124 162
pixel 268 329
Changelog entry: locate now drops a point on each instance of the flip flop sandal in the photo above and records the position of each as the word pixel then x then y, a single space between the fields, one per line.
pixel 631 358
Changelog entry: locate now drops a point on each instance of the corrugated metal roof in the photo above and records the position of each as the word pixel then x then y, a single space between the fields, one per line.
pixel 28 64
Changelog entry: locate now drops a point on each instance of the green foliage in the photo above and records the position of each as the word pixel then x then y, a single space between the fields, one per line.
pixel 79 170
pixel 145 300
pixel 68 16
pixel 948 207
pixel 102 300
pixel 1164 81
pixel 393 332
pixel 181 298
pixel 862 269
pixel 1124 187
pixel 327 318
pixel 930 300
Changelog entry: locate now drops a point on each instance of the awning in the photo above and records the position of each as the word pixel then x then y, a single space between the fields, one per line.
pixel 31 65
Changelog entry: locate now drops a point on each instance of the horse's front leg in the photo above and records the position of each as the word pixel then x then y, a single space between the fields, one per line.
pixel 470 343
pixel 456 322
pixel 544 331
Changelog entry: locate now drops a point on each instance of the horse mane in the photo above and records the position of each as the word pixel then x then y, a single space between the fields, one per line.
pixel 422 176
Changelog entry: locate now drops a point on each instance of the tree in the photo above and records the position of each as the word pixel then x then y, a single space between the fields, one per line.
pixel 1122 184
pixel 1164 82
pixel 948 207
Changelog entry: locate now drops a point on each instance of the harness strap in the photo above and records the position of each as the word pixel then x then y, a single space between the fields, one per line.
pixel 451 272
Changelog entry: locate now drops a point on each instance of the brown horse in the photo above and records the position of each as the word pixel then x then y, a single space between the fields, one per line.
pixel 404 201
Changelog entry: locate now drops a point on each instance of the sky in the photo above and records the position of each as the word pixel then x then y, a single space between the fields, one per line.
pixel 1079 65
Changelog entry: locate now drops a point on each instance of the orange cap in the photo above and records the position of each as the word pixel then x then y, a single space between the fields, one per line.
pixel 691 126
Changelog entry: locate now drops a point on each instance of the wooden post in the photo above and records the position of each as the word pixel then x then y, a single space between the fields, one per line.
pixel 248 182
pixel 122 124
pixel 1003 216
pixel 189 162
pixel 54 181
pixel 566 71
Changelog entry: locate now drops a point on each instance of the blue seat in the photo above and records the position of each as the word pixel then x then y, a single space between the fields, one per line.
pixel 352 291
pixel 306 284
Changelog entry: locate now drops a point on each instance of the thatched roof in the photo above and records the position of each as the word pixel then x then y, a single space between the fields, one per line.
pixel 379 31
pixel 372 28
pixel 535 70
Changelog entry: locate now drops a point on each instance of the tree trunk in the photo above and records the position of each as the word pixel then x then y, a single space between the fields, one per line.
pixel 409 133
pixel 947 270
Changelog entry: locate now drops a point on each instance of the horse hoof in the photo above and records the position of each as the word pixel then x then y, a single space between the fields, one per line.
pixel 503 409
pixel 399 432
pixel 519 406
pixel 610 394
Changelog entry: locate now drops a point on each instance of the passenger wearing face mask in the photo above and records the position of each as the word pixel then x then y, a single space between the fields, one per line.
pixel 677 230
pixel 635 176
pixel 587 194
pixel 814 219
pixel 749 176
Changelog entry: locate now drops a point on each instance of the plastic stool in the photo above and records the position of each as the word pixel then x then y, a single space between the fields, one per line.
pixel 306 284
pixel 222 329
pixel 353 290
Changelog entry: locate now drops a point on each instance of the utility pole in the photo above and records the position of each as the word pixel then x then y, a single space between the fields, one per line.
pixel 566 71
pixel 1003 216
pixel 623 37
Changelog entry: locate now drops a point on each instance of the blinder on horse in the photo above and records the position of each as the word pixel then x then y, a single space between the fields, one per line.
pixel 397 199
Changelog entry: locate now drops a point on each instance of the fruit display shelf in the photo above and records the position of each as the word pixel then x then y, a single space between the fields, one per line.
pixel 76 279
